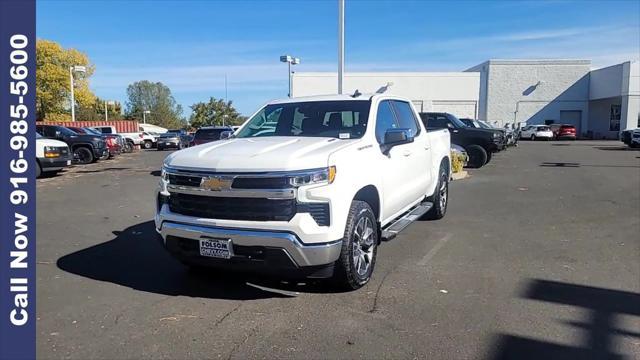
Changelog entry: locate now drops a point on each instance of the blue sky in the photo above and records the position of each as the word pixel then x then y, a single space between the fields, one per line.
pixel 191 45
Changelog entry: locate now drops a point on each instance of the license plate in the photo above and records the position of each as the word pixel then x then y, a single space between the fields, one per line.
pixel 68 162
pixel 217 248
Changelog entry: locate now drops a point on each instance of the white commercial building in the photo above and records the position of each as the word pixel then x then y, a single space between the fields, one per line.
pixel 599 103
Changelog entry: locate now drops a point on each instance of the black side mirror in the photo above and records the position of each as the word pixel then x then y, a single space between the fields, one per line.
pixel 394 137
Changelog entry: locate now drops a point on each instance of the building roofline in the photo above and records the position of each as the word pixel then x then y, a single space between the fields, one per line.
pixel 538 62
pixel 387 73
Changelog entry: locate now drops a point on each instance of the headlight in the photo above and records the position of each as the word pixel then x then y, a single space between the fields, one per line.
pixel 163 174
pixel 51 152
pixel 316 176
pixel 496 135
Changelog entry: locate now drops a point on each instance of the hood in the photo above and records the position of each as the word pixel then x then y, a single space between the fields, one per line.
pixel 51 142
pixel 274 153
pixel 85 137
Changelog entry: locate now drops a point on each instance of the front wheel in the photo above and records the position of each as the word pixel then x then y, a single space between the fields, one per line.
pixel 148 145
pixel 359 248
pixel 533 138
pixel 477 156
pixel 83 155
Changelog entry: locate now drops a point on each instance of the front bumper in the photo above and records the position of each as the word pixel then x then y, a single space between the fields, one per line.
pixel 253 250
pixel 54 164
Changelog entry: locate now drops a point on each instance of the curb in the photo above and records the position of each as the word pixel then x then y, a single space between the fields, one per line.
pixel 460 175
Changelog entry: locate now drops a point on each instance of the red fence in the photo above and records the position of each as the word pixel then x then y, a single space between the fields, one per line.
pixel 122 126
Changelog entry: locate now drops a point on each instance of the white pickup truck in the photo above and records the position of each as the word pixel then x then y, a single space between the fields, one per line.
pixel 306 187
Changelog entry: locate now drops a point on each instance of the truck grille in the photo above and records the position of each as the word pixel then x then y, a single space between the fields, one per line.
pixel 229 208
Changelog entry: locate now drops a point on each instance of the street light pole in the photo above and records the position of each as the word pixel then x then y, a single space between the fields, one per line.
pixel 144 117
pixel 340 45
pixel 106 116
pixel 77 68
pixel 73 103
pixel 290 60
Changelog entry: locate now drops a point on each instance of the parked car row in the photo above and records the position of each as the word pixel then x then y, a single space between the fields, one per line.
pixel 631 138
pixel 59 146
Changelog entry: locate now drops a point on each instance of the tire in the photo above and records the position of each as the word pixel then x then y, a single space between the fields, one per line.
pixel 489 156
pixel 477 156
pixel 440 197
pixel 160 148
pixel 147 145
pixel 128 147
pixel 353 270
pixel 38 170
pixel 533 138
pixel 84 155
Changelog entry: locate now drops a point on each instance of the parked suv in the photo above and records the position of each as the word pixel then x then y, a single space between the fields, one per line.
pixel 85 148
pixel 114 141
pixel 536 132
pixel 479 143
pixel 172 140
pixel 208 134
pixel 307 187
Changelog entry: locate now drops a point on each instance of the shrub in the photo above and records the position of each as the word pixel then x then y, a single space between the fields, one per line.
pixel 457 161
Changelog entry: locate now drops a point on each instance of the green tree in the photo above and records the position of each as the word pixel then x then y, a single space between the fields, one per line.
pixel 214 112
pixel 52 79
pixel 154 97
pixel 95 112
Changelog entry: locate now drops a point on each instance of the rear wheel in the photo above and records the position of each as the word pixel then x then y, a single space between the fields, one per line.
pixel 128 147
pixel 533 138
pixel 440 198
pixel 477 156
pixel 38 170
pixel 83 155
pixel 359 248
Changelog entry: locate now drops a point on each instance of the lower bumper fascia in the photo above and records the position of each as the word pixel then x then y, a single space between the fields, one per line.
pixel 252 248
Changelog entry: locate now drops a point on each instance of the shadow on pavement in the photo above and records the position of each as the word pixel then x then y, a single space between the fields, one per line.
pixel 135 259
pixel 602 307
pixel 616 148
pixel 102 170
pixel 155 173
pixel 575 165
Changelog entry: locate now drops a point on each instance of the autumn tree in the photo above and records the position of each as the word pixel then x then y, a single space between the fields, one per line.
pixel 157 98
pixel 52 79
pixel 214 112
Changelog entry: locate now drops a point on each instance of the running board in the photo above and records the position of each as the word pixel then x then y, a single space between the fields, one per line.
pixel 390 232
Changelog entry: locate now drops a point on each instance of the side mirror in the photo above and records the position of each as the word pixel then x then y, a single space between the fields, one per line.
pixel 394 137
pixel 225 134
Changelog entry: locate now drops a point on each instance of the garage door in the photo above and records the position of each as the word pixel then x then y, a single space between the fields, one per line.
pixel 459 109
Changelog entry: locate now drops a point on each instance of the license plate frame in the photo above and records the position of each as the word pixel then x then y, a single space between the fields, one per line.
pixel 219 248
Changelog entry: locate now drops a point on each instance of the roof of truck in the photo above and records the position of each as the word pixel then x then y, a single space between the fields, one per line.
pixel 343 97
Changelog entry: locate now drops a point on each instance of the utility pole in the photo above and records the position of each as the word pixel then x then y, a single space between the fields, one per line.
pixel 340 45
pixel 106 116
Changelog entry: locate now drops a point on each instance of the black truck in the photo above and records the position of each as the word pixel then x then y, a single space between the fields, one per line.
pixel 85 148
pixel 480 144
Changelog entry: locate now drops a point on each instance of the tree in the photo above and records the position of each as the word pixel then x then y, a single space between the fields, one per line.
pixel 154 97
pixel 52 79
pixel 95 112
pixel 214 112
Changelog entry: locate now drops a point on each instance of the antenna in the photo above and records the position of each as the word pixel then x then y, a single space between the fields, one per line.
pixel 356 94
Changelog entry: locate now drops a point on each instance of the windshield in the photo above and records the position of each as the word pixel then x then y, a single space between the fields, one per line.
pixel 169 135
pixel 91 131
pixel 209 134
pixel 336 119
pixel 484 125
pixel 456 121
pixel 65 131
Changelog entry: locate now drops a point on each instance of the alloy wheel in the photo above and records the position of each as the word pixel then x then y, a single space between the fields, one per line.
pixel 363 246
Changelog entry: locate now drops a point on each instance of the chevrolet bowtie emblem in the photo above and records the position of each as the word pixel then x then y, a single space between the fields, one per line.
pixel 215 183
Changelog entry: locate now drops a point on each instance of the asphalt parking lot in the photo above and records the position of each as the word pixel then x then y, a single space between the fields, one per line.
pixel 538 257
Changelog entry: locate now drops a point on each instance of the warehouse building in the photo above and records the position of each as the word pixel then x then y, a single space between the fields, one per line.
pixel 599 102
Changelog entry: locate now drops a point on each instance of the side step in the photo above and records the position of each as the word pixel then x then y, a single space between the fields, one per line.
pixel 390 232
